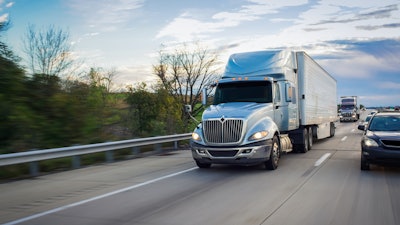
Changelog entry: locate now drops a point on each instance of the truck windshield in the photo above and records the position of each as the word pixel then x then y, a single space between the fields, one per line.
pixel 243 91
pixel 348 102
pixel 347 107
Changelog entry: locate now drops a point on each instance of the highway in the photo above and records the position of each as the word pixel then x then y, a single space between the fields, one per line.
pixel 323 186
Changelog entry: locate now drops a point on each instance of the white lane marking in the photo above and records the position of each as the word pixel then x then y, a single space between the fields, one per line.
pixel 344 138
pixel 95 198
pixel 322 159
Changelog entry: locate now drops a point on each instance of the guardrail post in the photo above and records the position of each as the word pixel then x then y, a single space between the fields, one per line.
pixel 175 145
pixel 34 169
pixel 110 156
pixel 136 150
pixel 157 148
pixel 76 161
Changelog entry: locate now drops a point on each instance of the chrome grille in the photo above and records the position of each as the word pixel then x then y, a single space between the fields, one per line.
pixel 347 114
pixel 223 130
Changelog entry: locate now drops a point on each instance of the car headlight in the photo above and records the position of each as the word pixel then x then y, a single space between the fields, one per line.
pixel 258 135
pixel 196 137
pixel 370 142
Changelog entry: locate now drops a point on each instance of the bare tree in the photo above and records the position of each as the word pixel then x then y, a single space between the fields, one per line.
pixel 102 80
pixel 184 73
pixel 48 51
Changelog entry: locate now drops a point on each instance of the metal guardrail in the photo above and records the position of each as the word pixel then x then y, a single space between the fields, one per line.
pixel 75 151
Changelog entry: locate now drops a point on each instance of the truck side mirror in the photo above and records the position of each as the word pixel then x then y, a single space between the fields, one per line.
pixel 204 96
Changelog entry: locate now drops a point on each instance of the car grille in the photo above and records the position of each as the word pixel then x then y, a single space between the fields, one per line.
pixel 391 143
pixel 218 153
pixel 223 130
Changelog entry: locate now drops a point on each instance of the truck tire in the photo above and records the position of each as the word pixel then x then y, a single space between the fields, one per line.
pixel 332 130
pixel 273 161
pixel 303 148
pixel 203 165
pixel 310 138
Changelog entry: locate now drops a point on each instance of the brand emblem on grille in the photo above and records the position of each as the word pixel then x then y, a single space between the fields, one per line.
pixel 222 119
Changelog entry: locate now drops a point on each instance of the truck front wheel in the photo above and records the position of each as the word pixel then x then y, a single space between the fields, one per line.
pixel 273 161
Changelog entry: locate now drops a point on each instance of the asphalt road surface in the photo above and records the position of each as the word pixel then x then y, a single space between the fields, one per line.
pixel 322 186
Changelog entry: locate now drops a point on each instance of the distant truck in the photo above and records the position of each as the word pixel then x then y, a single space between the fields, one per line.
pixel 266 103
pixel 349 109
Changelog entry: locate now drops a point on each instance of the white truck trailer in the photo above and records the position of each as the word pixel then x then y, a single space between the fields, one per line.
pixel 266 103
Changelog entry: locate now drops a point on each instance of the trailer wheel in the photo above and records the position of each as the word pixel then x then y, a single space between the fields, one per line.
pixel 332 130
pixel 310 138
pixel 273 161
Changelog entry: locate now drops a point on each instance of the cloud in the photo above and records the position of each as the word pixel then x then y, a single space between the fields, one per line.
pixel 3 18
pixel 380 100
pixel 360 59
pixel 376 27
pixel 130 75
pixel 348 17
pixel 106 15
pixel 389 85
pixel 186 27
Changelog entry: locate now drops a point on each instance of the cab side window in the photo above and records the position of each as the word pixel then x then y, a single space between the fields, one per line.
pixel 277 93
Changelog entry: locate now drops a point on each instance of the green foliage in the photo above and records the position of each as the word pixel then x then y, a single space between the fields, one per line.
pixel 44 111
pixel 13 111
pixel 153 113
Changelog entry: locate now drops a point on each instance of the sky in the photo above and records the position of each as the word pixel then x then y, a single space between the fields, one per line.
pixel 356 41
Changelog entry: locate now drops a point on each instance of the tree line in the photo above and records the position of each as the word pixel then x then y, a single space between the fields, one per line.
pixel 51 103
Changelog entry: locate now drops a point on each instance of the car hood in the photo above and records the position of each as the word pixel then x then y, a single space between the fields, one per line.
pixel 390 135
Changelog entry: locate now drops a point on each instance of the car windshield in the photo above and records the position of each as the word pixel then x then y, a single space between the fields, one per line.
pixel 251 91
pixel 385 123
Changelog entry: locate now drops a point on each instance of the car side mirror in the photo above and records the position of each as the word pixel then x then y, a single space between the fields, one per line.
pixel 361 127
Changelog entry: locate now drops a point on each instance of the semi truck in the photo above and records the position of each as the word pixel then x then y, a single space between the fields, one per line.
pixel 266 103
pixel 349 109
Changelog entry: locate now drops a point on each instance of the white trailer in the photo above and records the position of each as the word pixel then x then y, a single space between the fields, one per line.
pixel 317 94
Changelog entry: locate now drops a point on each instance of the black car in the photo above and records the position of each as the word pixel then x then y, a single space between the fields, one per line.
pixel 381 140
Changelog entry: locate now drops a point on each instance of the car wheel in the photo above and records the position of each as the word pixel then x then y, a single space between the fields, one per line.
pixel 203 165
pixel 364 163
pixel 273 161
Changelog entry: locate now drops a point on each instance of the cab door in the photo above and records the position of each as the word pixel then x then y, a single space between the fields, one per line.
pixel 278 106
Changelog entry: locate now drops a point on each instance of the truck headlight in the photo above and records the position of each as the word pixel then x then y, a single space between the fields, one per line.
pixel 196 137
pixel 370 142
pixel 258 135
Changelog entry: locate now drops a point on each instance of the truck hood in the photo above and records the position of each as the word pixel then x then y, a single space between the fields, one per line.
pixel 239 110
pixel 347 110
